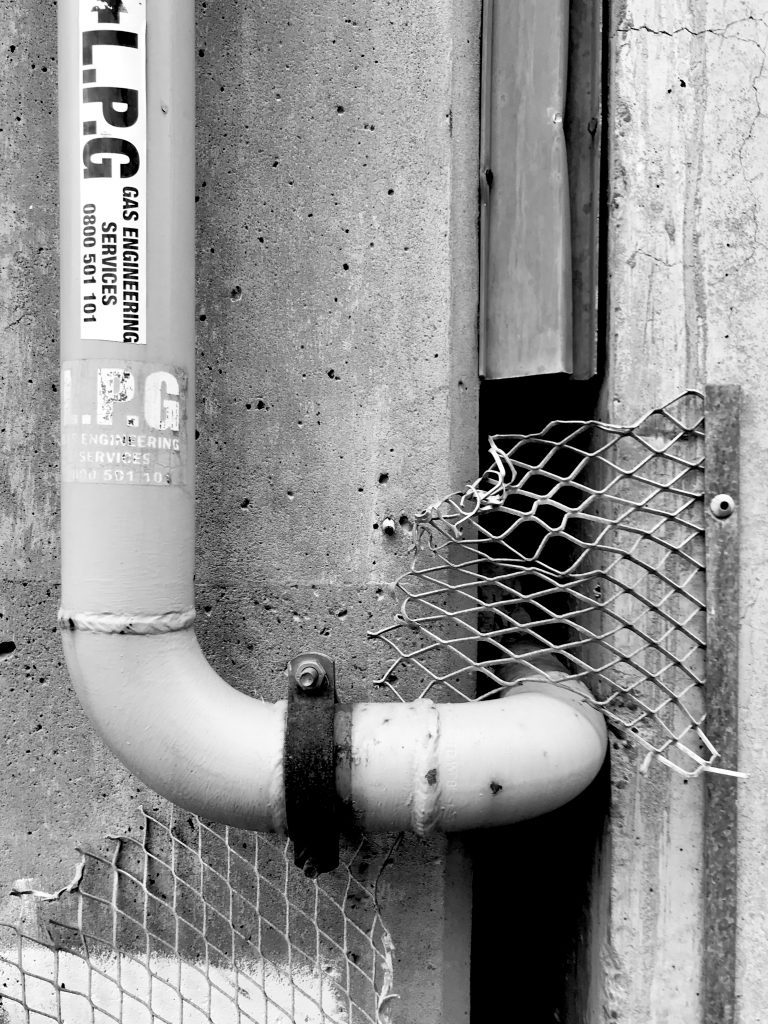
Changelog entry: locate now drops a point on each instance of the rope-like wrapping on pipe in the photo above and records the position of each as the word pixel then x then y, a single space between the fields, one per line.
pixel 425 808
pixel 112 622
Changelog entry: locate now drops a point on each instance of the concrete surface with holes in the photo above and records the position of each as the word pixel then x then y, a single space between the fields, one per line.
pixel 688 222
pixel 336 304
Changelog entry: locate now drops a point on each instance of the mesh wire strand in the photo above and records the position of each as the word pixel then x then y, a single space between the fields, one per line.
pixel 200 924
pixel 584 541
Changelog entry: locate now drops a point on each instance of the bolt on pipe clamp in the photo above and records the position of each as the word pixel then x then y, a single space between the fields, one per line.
pixel 309 764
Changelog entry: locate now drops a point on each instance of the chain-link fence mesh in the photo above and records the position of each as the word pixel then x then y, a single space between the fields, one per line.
pixel 200 924
pixel 586 541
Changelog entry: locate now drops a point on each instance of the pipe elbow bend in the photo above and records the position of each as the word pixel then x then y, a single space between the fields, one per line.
pixel 165 713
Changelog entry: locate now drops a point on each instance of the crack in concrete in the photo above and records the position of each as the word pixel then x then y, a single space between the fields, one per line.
pixel 656 259
pixel 17 321
pixel 721 32
pixel 725 32
pixel 749 136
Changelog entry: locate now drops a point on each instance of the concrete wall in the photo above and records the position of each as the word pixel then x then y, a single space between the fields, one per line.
pixel 687 292
pixel 336 303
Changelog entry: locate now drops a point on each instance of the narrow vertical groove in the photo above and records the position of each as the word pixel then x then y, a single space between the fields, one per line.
pixel 484 182
pixel 603 296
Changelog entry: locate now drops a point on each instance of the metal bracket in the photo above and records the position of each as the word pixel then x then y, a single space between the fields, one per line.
pixel 309 764
pixel 720 880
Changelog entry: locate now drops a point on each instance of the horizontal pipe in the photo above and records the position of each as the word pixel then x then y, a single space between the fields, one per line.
pixel 179 727
pixel 128 503
pixel 452 767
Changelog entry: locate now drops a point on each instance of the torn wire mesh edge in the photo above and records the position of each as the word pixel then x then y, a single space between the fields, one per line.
pixel 182 925
pixel 588 538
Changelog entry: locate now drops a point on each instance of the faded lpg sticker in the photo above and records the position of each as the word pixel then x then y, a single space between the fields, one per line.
pixel 113 171
pixel 123 423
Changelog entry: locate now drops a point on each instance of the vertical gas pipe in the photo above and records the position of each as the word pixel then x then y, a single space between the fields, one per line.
pixel 127 310
pixel 126 129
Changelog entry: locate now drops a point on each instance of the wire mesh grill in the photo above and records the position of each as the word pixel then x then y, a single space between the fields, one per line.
pixel 584 541
pixel 200 924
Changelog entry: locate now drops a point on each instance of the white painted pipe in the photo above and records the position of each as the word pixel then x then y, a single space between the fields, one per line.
pixel 128 495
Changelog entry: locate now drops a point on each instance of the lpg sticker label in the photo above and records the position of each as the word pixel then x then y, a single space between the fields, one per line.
pixel 113 119
pixel 123 423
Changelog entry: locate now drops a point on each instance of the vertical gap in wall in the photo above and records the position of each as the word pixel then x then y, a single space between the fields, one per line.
pixel 538 915
pixel 603 196
pixel 531 952
pixel 541 887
